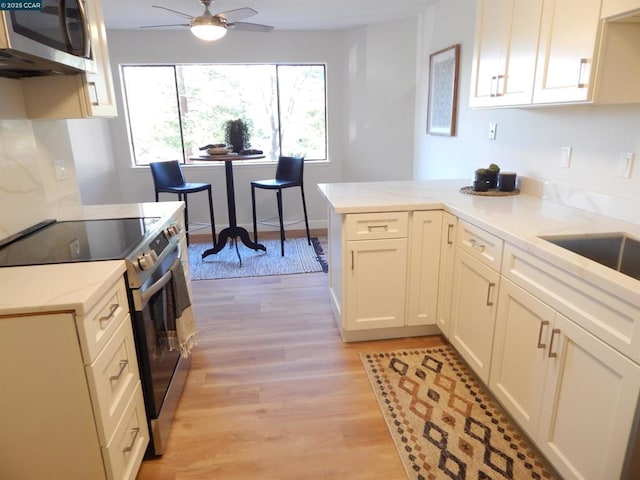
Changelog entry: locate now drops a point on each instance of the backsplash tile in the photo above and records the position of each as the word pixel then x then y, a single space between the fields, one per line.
pixel 625 209
pixel 29 190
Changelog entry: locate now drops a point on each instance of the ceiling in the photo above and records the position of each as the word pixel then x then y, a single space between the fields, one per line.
pixel 281 14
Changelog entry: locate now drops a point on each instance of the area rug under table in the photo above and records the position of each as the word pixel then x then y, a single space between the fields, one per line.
pixel 299 257
pixel 444 423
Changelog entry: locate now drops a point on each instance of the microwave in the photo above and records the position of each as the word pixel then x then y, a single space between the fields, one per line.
pixel 54 40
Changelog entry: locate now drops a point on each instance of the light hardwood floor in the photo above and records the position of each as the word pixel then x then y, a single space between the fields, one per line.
pixel 274 393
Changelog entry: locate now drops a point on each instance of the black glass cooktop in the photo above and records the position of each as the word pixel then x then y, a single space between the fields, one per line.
pixel 75 241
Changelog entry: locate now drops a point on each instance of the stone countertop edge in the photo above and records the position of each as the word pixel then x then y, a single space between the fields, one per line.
pixel 519 219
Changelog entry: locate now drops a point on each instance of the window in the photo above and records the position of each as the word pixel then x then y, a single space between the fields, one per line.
pixel 175 109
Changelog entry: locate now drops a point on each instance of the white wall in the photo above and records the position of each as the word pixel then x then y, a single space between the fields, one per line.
pixel 380 93
pixel 95 163
pixel 529 140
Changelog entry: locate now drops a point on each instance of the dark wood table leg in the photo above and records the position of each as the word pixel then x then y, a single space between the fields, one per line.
pixel 233 230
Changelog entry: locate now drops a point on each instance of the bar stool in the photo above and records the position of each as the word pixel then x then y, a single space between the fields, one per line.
pixel 168 178
pixel 289 173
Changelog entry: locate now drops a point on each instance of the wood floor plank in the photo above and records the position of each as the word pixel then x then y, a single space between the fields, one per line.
pixel 274 393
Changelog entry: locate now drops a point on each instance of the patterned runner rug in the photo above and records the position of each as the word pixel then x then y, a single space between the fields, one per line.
pixel 444 423
pixel 299 257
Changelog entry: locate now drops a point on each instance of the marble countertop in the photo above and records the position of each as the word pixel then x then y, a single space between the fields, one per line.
pixel 519 219
pixel 71 286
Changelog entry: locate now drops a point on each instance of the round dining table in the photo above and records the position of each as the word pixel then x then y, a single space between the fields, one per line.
pixel 233 231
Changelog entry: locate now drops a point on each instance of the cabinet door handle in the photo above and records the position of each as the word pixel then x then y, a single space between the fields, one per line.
pixel 134 432
pixel 553 354
pixel 104 321
pixel 95 101
pixel 499 90
pixel 489 289
pixel 353 261
pixel 449 230
pixel 123 365
pixel 373 228
pixel 583 62
pixel 494 88
pixel 543 324
pixel 478 246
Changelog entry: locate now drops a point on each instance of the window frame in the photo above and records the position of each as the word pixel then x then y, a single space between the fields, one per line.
pixel 185 159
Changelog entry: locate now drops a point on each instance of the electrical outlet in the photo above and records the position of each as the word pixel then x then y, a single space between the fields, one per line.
pixel 565 160
pixel 625 164
pixel 60 169
pixel 493 126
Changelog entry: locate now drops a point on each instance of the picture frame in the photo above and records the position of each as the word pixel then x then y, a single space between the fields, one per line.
pixel 443 91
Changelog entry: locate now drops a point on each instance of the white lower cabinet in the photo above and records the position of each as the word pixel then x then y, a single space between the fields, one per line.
pixel 424 266
pixel 445 278
pixel 572 393
pixel 71 405
pixel 476 282
pixel 474 311
pixel 384 273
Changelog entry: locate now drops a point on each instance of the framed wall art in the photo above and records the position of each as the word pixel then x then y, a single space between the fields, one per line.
pixel 443 91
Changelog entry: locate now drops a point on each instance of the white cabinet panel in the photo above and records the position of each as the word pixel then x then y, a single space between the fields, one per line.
pixel 424 265
pixel 589 404
pixel 474 311
pixel 376 284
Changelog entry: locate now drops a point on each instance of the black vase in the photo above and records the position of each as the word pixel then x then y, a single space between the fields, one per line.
pixel 492 178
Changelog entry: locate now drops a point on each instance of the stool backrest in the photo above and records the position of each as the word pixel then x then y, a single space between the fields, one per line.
pixel 290 169
pixel 166 174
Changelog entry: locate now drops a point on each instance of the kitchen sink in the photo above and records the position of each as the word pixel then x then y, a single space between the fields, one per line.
pixel 613 250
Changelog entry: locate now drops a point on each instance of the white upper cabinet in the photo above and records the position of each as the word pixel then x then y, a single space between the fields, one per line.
pixel 86 95
pixel 567 51
pixel 504 56
pixel 612 8
pixel 556 51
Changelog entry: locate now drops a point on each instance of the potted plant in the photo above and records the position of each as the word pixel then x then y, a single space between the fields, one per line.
pixel 236 134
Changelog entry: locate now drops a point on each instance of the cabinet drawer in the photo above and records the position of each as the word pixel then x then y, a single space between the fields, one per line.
pixel 123 455
pixel 112 378
pixel 480 244
pixel 611 318
pixel 373 226
pixel 98 325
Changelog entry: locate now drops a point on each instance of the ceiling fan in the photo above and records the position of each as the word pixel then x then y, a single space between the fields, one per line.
pixel 212 27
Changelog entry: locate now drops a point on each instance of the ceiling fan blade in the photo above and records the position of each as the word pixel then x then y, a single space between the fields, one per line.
pixel 173 11
pixel 237 14
pixel 170 25
pixel 249 27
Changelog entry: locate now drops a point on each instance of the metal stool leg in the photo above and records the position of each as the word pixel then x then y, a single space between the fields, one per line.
pixel 279 197
pixel 306 219
pixel 253 209
pixel 213 221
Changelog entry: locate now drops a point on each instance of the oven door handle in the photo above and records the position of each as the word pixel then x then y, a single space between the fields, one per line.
pixel 155 288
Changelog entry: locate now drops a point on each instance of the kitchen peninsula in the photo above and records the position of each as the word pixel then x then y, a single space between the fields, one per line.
pixel 536 322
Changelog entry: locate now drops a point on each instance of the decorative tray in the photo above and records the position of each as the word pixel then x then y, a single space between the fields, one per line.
pixel 492 192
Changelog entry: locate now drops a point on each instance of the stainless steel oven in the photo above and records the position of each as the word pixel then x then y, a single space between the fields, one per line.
pixel 163 371
pixel 150 248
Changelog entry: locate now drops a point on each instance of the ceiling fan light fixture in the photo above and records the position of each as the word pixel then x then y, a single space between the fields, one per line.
pixel 208 28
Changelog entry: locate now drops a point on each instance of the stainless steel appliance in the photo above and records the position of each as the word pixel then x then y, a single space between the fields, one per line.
pixel 150 247
pixel 52 40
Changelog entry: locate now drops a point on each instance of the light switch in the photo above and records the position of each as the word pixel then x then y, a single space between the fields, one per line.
pixel 625 164
pixel 493 127
pixel 60 169
pixel 565 160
